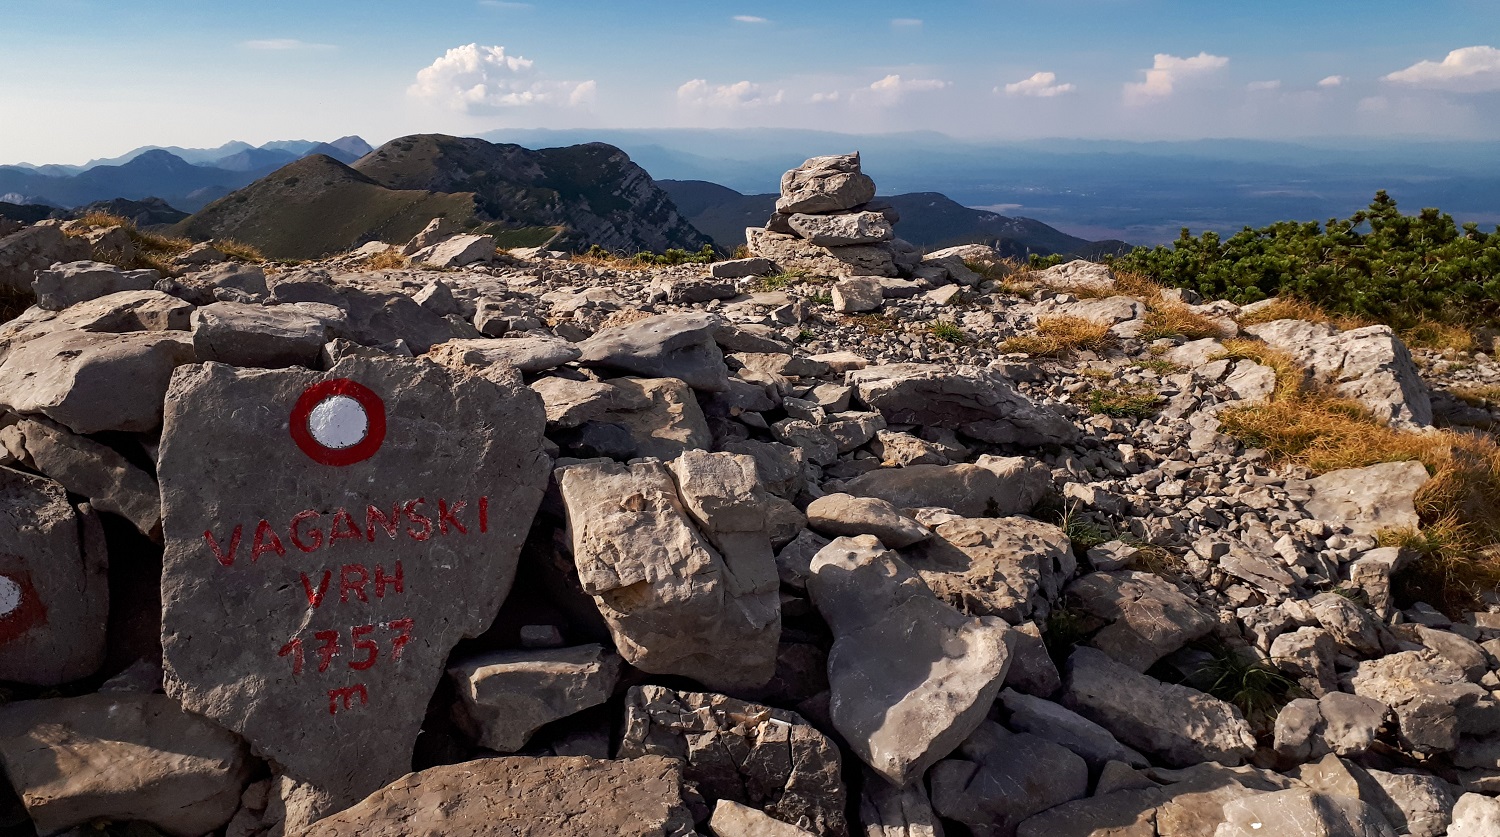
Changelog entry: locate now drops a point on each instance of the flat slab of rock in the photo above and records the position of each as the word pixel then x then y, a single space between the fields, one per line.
pixel 999 486
pixel 672 602
pixel 910 677
pixel 37 247
pixel 769 759
pixel 121 757
pixel 269 337
pixel 979 403
pixel 1148 617
pixel 69 284
pixel 457 251
pixel 732 819
pixel 742 268
pixel 1179 725
pixel 837 515
pixel 525 797
pixel 1370 499
pixel 54 586
pixel 825 184
pixel 1077 275
pixel 1370 365
pixel 92 383
pixel 506 696
pixel 329 538
pixel 90 469
pixel 843 229
pixel 1001 778
pixel 664 346
pixel 1301 813
pixel 526 354
pixel 793 253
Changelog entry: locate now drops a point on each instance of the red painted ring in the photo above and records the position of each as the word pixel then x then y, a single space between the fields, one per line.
pixel 338 457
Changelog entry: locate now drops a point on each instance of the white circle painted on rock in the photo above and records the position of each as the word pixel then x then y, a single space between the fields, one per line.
pixel 10 596
pixel 338 422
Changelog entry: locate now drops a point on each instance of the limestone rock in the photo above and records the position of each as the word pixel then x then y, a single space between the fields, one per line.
pixel 1475 816
pixel 979 403
pixel 887 811
pixel 793 253
pixel 1179 725
pixel 732 819
pixel 1433 700
pixel 1061 725
pixel 1003 778
pixel 669 422
pixel 1298 812
pixel 90 469
pixel 1370 365
pixel 825 184
pixel 1125 813
pixel 93 383
pixel 54 590
pixel 857 294
pixel 121 757
pixel 69 284
pixel 910 677
pixel 525 797
pixel 742 268
pixel 1077 275
pixel 436 231
pixel 1148 617
pixel 1011 567
pixel 1413 803
pixel 1368 500
pixel 506 696
pixel 34 248
pixel 723 495
pixel 996 487
pixel 667 345
pixel 838 515
pixel 421 481
pixel 526 354
pixel 769 759
pixel 671 602
pixel 842 229
pixel 1350 722
pixel 458 251
pixel 570 403
pixel 250 335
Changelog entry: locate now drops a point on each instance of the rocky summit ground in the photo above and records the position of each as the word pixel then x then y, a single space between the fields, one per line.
pixel 837 538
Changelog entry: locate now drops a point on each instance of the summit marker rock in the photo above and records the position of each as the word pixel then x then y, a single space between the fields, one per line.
pixel 329 538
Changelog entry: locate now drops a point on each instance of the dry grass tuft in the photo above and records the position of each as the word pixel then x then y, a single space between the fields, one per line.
pixel 1446 338
pixel 1291 378
pixel 1478 396
pixel 239 250
pixel 95 219
pixel 1173 319
pixel 623 317
pixel 599 257
pixel 1060 336
pixel 389 259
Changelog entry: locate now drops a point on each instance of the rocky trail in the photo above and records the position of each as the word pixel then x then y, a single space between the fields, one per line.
pixel 838 538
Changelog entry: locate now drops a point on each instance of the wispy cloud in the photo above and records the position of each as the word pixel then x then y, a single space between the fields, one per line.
pixel 283 44
pixel 1041 85
pixel 742 94
pixel 750 19
pixel 479 79
pixel 906 22
pixel 1263 86
pixel 894 83
pixel 1473 69
pixel 1333 81
pixel 1168 72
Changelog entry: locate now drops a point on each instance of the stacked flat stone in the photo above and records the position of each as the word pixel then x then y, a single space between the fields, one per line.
pixel 828 222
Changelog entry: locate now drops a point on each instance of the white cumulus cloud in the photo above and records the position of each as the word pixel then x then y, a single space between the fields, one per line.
pixel 1474 69
pixel 894 84
pixel 825 98
pixel 750 19
pixel 1333 81
pixel 742 94
pixel 1043 85
pixel 283 44
pixel 478 79
pixel 1169 71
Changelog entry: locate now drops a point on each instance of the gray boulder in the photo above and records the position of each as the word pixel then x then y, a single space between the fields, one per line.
pixel 1371 499
pixel 887 811
pixel 1178 725
pixel 68 284
pixel 842 229
pixel 90 469
pixel 1370 365
pixel 910 677
pixel 525 797
pixel 526 354
pixel 457 251
pixel 1061 725
pixel 732 819
pixel 92 383
pixel 838 515
pixel 980 403
pixel 1299 812
pixel 1148 617
pixel 742 268
pixel 506 696
pixel 1076 275
pixel 34 248
pixel 769 759
pixel 436 232
pixel 1010 567
pixel 387 536
pixel 857 294
pixel 1434 702
pixel 54 586
pixel 250 335
pixel 1475 815
pixel 666 346
pixel 995 486
pixel 825 184
pixel 1003 778
pixel 671 602
pixel 793 253
pixel 120 757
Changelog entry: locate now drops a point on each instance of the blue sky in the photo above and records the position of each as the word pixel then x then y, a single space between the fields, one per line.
pixel 90 78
